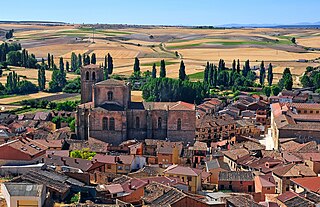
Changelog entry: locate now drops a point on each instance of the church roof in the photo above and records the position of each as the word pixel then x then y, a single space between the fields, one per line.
pixel 180 105
pixel 112 82
pixel 91 66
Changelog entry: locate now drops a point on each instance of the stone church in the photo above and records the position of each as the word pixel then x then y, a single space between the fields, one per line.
pixel 107 113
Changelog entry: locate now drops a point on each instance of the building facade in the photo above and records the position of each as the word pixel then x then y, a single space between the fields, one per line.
pixel 107 113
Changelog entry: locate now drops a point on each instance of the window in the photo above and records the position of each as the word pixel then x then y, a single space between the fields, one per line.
pixel 120 167
pixel 137 122
pixel 93 75
pixel 111 124
pixel 179 124
pixel 105 123
pixel 110 96
pixel 87 75
pixel 109 166
pixel 159 123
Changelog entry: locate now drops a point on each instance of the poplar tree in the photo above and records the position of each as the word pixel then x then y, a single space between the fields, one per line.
pixel 262 73
pixel 270 74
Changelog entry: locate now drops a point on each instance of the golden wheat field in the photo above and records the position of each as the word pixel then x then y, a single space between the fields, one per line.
pixel 151 44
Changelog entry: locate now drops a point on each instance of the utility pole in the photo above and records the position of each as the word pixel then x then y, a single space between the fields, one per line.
pixel 93 35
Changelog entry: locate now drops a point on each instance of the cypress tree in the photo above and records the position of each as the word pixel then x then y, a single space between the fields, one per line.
pixel 79 61
pixel 246 68
pixel 61 64
pixel 182 71
pixel 105 68
pixel 262 73
pixel 67 66
pixel 93 58
pixel 136 66
pixel 233 66
pixel 162 69
pixel 238 66
pixel 154 71
pixel 270 75
pixel 110 64
pixel 49 60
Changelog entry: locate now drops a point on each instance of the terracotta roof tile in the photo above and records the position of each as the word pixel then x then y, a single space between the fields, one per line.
pixel 309 183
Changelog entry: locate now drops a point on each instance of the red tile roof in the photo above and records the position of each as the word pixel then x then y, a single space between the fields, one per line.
pixel 309 183
pixel 286 196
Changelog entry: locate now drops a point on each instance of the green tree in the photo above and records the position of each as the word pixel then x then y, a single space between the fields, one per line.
pixel 154 71
pixel 162 69
pixel 270 75
pixel 306 81
pixel 262 73
pixel 267 90
pixel 287 79
pixel 182 71
pixel 293 40
pixel 316 81
pixel 14 58
pixel 275 90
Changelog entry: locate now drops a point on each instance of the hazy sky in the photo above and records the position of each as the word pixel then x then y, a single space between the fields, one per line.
pixel 169 12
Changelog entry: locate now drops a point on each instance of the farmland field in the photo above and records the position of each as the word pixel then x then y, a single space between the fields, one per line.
pixel 151 44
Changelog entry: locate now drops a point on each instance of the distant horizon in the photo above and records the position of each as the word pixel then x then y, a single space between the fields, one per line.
pixel 166 12
pixel 317 23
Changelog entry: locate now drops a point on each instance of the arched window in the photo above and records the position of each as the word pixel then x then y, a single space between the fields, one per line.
pixel 179 124
pixel 159 123
pixel 87 75
pixel 111 124
pixel 110 96
pixel 137 122
pixel 104 123
pixel 93 75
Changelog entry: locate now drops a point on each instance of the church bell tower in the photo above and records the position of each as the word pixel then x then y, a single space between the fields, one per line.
pixel 90 74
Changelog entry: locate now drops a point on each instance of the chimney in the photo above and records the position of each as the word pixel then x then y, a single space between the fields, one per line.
pixel 130 185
